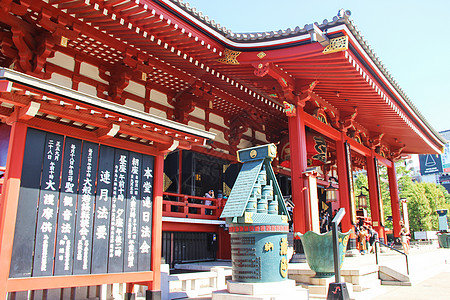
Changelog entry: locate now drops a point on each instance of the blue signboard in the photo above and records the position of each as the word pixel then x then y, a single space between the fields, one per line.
pixel 445 181
pixel 430 164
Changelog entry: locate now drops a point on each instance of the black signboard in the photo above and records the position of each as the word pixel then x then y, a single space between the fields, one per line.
pixel 118 205
pixel 146 209
pixel 75 219
pixel 67 207
pixel 430 164
pixel 85 209
pixel 48 205
pixel 102 217
pixel 132 213
pixel 23 246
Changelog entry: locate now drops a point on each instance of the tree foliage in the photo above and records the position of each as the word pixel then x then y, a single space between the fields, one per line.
pixel 423 198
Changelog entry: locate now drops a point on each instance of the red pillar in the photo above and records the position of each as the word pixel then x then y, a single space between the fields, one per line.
pixel 374 195
pixel 395 204
pixel 10 198
pixel 344 192
pixel 155 285
pixel 297 141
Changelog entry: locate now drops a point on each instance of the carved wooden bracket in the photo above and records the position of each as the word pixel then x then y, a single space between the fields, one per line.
pixel 375 141
pixel 118 78
pixel 184 105
pixel 347 122
pixel 241 123
pixel 286 83
pixel 27 44
pixel 238 127
pixel 304 93
pixel 397 153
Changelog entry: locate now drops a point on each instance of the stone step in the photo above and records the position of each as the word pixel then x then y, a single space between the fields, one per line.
pixel 389 274
pixel 397 283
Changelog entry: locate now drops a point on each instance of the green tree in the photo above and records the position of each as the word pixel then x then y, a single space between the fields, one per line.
pixel 423 198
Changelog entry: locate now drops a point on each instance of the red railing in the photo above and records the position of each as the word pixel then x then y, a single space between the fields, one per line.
pixel 186 206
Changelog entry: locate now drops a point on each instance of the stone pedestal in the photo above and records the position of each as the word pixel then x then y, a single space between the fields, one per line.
pixel 261 291
pixel 298 258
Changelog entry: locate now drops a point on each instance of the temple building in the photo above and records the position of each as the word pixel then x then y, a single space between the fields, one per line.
pixel 118 117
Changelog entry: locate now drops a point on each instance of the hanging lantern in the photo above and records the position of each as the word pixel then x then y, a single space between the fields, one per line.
pixel 331 191
pixel 362 198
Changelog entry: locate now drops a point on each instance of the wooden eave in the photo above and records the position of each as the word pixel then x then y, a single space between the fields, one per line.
pixel 360 71
pixel 177 47
pixel 69 108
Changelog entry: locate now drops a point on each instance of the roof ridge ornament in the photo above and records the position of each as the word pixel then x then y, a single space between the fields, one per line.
pixel 344 14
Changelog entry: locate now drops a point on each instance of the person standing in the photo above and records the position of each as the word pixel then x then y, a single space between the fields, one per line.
pixel 404 235
pixel 209 194
pixel 373 238
pixel 362 240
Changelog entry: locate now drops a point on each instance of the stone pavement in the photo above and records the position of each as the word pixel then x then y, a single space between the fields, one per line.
pixel 429 269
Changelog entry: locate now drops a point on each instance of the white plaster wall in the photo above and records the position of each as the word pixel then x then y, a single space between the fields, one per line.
pixel 244 144
pixel 196 125
pixel 61 80
pixel 90 71
pixel 135 89
pixel 219 136
pixel 199 113
pixel 63 60
pixel 260 136
pixel 134 104
pixel 248 133
pixel 88 89
pixel 158 97
pixel 215 119
pixel 158 112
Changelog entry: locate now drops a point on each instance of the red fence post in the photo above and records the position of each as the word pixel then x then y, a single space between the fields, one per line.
pixel 10 199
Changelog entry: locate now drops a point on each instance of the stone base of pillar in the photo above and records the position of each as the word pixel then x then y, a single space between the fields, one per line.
pixel 130 296
pixel 351 243
pixel 152 295
pixel 261 291
pixel 351 248
pixel 298 258
pixel 352 253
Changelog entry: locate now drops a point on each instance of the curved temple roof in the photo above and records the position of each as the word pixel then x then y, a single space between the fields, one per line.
pixel 359 55
pixel 165 45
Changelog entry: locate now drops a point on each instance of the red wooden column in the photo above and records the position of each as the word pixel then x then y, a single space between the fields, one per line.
pixel 154 287
pixel 297 141
pixel 373 195
pixel 10 200
pixel 395 203
pixel 344 193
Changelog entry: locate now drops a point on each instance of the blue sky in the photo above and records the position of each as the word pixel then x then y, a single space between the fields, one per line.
pixel 410 37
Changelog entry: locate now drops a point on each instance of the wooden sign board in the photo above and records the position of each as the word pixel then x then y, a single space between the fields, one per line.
pixel 83 208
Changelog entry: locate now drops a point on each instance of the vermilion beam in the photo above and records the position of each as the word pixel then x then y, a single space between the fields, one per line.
pixel 39 283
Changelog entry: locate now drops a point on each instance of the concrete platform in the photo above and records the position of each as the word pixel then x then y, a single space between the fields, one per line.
pixel 425 262
pixel 261 291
